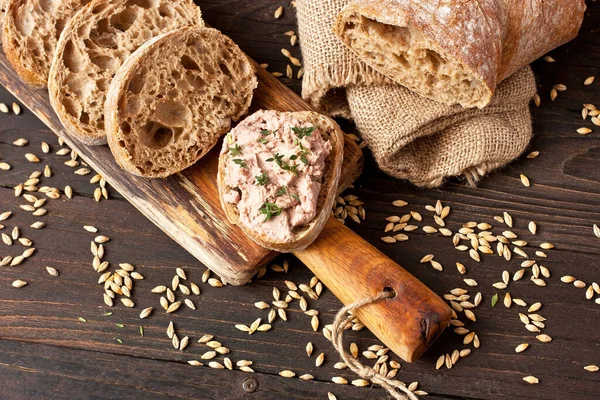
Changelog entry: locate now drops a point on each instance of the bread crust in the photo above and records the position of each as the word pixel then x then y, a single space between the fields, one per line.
pixel 36 78
pixel 120 83
pixel 489 39
pixel 327 195
pixel 92 13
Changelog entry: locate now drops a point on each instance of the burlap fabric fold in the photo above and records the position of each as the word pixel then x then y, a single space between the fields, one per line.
pixel 411 137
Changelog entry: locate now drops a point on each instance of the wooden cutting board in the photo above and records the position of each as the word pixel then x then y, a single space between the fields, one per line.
pixel 186 206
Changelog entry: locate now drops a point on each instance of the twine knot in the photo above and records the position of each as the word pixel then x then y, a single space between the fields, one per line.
pixel 342 318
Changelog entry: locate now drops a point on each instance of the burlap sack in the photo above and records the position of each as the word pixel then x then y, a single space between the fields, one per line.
pixel 411 137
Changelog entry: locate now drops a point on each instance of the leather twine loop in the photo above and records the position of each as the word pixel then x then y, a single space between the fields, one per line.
pixel 341 320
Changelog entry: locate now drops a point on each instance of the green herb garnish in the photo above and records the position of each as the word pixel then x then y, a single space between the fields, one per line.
pixel 262 179
pixel 494 300
pixel 284 190
pixel 281 191
pixel 240 162
pixel 303 132
pixel 264 133
pixel 142 330
pixel 236 150
pixel 278 158
pixel 270 210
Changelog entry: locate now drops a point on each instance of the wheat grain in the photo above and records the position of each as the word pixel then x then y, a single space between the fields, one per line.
pixel 579 284
pixel 19 283
pixel 531 380
pixel 278 12
pixel 470 282
pixel 32 158
pixel 174 307
pixel 287 373
pixel 127 302
pixel 184 343
pixel 215 282
pixel 507 300
pixel 339 380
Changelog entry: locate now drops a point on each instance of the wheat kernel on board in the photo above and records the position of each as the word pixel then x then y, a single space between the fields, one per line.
pixel 584 130
pixel 287 373
pixel 589 80
pixel 19 283
pixel 531 380
pixel 525 180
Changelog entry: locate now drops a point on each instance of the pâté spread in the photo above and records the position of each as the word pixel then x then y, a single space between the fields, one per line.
pixel 275 169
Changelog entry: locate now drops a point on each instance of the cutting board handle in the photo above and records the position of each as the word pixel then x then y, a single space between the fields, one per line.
pixel 353 269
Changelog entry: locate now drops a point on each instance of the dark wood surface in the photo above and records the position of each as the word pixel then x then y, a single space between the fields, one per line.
pixel 46 352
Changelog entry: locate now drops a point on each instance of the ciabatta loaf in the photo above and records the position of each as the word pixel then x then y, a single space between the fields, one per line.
pixel 92 47
pixel 278 176
pixel 174 97
pixel 456 51
pixel 30 33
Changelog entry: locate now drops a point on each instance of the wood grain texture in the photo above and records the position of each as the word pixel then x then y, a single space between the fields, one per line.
pixel 409 323
pixel 39 326
pixel 186 205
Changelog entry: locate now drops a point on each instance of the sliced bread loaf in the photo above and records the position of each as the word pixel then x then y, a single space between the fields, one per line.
pixel 92 47
pixel 278 176
pixel 455 51
pixel 30 33
pixel 174 97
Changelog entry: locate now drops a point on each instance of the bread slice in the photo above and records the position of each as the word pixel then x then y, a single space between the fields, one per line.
pixel 92 47
pixel 300 235
pixel 174 97
pixel 3 4
pixel 30 33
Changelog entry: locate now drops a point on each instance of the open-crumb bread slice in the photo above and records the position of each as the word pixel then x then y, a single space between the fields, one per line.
pixel 174 97
pixel 92 47
pixel 278 176
pixel 30 33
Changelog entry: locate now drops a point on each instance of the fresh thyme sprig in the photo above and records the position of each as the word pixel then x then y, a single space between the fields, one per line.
pixel 262 179
pixel 240 162
pixel 264 133
pixel 236 150
pixel 302 132
pixel 284 190
pixel 270 210
pixel 278 158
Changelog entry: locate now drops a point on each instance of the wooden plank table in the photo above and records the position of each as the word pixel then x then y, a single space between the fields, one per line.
pixel 47 352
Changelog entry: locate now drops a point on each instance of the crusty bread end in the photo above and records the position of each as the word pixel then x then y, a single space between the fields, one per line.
pixel 408 56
